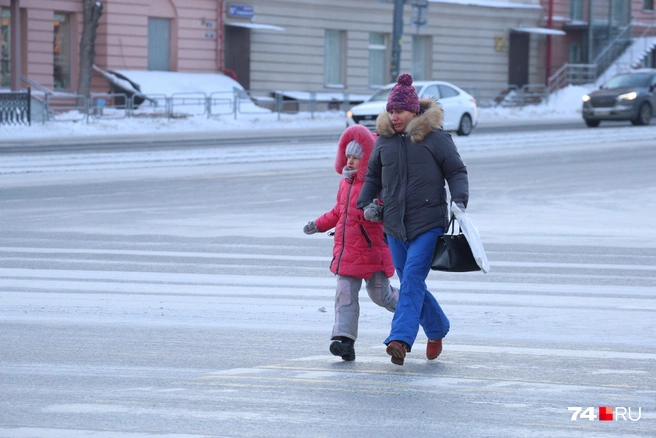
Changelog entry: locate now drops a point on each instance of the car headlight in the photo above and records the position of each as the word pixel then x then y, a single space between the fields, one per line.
pixel 349 113
pixel 586 98
pixel 628 96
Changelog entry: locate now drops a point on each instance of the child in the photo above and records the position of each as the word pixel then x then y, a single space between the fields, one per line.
pixel 360 251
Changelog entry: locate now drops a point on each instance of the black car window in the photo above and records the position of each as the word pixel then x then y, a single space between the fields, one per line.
pixel 635 80
pixel 447 91
pixel 382 94
pixel 433 92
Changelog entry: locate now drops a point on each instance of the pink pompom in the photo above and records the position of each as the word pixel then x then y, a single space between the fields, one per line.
pixel 405 79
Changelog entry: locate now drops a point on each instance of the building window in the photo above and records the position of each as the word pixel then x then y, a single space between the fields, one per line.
pixel 333 58
pixel 377 64
pixel 421 57
pixel 62 52
pixel 620 12
pixel 5 68
pixel 576 10
pixel 648 5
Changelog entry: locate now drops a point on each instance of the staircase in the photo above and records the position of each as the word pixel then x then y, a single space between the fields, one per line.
pixel 613 50
pixel 599 73
pixel 572 74
pixel 46 103
pixel 630 59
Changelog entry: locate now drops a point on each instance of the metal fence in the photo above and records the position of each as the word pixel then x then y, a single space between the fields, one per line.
pixel 73 107
pixel 572 74
pixel 238 103
pixel 15 108
pixel 507 95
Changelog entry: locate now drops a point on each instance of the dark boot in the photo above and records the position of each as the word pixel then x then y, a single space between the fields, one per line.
pixel 343 348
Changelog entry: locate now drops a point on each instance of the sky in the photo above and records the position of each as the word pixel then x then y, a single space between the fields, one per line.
pixel 564 104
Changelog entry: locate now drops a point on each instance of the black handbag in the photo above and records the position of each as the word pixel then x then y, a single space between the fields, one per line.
pixel 452 252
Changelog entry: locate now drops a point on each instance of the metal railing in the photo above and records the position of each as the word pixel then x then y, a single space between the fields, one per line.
pixel 507 95
pixel 572 74
pixel 15 108
pixel 66 107
pixel 35 85
pixel 613 50
pixel 238 103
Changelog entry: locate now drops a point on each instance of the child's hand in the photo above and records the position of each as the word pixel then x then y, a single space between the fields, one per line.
pixel 310 228
pixel 374 212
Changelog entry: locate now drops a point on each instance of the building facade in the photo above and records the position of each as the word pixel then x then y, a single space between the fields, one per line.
pixel 283 44
pixel 592 27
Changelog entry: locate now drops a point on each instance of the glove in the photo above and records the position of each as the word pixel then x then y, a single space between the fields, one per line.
pixel 374 212
pixel 461 206
pixel 310 228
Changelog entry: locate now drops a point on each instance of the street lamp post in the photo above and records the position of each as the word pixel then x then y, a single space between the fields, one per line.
pixel 16 46
pixel 396 39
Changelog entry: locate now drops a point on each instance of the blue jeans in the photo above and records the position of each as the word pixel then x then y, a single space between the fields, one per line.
pixel 416 305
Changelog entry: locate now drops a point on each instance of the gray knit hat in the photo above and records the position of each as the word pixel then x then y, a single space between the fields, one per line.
pixel 354 148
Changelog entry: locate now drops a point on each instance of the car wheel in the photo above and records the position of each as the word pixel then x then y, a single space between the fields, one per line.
pixel 465 127
pixel 592 123
pixel 644 115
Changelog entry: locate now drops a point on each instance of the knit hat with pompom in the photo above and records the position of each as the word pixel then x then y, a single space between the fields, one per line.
pixel 403 95
pixel 354 148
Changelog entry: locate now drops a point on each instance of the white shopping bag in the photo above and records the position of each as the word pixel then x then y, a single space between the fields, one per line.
pixel 471 234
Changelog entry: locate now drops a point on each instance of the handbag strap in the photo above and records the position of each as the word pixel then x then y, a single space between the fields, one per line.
pixel 452 224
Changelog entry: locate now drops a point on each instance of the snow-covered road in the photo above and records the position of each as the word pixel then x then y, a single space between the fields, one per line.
pixel 173 293
pixel 470 147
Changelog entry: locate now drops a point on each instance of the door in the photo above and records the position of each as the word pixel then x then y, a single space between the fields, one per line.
pixel 518 50
pixel 238 53
pixel 159 44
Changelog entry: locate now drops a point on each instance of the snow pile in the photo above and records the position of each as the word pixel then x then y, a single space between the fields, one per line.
pixel 564 104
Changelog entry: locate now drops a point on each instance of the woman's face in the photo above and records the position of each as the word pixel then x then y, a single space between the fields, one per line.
pixel 400 119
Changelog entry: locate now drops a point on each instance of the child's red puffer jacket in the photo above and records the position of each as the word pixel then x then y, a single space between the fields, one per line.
pixel 360 248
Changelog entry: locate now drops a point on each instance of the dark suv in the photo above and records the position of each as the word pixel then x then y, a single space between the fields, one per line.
pixel 627 96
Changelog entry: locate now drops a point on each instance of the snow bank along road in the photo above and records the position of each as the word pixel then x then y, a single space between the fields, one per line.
pixel 172 293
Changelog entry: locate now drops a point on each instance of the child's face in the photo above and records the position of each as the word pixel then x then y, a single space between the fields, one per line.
pixel 352 162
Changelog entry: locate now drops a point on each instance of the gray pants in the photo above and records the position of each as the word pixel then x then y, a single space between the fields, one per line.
pixel 347 305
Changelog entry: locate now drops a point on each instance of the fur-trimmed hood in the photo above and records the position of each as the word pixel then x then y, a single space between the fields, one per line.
pixel 366 139
pixel 430 119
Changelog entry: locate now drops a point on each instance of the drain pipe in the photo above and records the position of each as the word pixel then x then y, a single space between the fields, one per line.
pixel 549 40
pixel 220 42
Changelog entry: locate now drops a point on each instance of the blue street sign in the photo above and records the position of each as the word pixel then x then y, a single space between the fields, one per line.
pixel 241 11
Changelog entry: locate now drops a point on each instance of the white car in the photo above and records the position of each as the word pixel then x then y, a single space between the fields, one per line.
pixel 460 110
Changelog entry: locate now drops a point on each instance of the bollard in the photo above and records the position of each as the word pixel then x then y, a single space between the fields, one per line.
pixel 99 104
